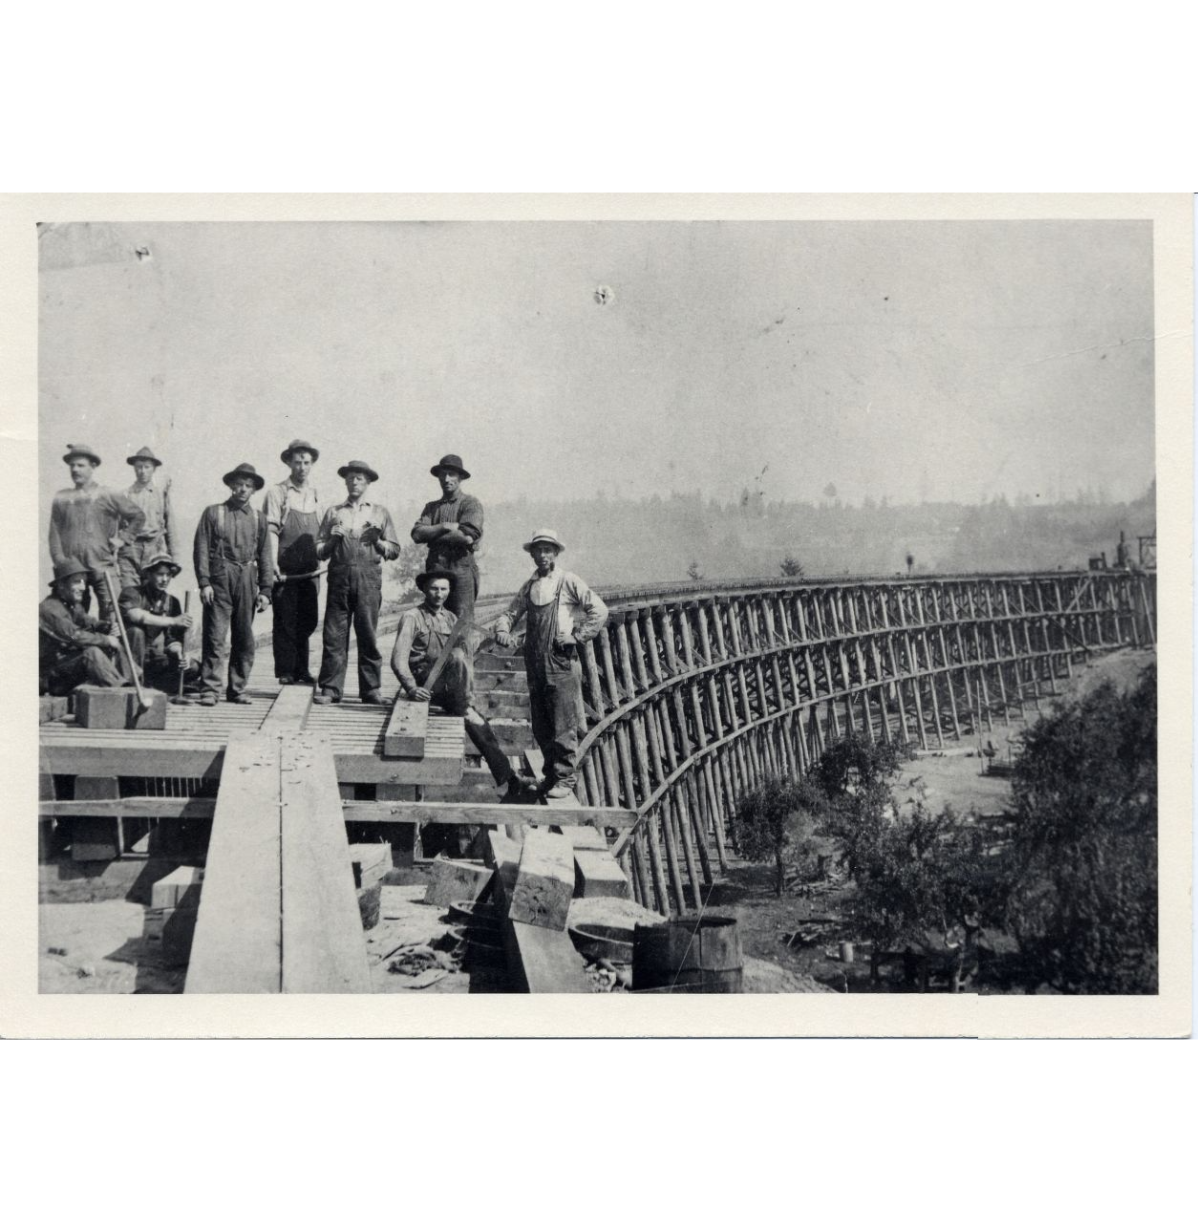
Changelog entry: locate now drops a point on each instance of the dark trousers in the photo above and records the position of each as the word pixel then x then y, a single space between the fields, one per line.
pixel 453 692
pixel 463 590
pixel 104 607
pixel 555 698
pixel 230 617
pixel 296 605
pixel 354 600
pixel 92 665
pixel 163 674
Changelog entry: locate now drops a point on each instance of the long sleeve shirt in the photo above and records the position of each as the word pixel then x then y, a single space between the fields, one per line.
pixel 63 629
pixel 353 519
pixel 149 641
pixel 238 534
pixel 464 509
pixel 421 637
pixel 581 613
pixel 86 523
pixel 154 500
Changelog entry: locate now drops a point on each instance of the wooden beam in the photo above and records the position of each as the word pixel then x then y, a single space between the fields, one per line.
pixel 324 947
pixel 289 710
pixel 238 936
pixel 407 729
pixel 544 884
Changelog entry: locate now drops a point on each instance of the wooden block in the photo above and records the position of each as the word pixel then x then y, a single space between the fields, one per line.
pixel 407 729
pixel 538 959
pixel 239 935
pixel 545 884
pixel 457 882
pixel 403 836
pixel 324 946
pixel 597 875
pixel 370 861
pixel 51 708
pixel 180 889
pixel 118 709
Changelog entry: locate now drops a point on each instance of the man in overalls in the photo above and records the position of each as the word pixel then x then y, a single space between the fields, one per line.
pixel 157 534
pixel 294 510
pixel 235 573
pixel 86 523
pixel 355 537
pixel 560 613
pixel 452 528
pixel 422 635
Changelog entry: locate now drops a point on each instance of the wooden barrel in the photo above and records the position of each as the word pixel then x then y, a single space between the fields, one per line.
pixel 688 954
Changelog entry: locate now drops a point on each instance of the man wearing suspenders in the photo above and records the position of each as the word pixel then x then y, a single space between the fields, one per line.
pixel 235 572
pixel 294 509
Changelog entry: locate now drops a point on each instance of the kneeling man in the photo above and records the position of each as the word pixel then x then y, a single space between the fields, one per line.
pixel 423 632
pixel 157 627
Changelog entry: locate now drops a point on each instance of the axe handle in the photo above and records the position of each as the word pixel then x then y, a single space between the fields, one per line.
pixel 120 623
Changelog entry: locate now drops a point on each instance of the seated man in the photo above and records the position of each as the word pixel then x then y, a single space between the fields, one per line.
pixel 73 649
pixel 156 625
pixel 423 632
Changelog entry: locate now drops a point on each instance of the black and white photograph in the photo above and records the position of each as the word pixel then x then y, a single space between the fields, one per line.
pixel 624 606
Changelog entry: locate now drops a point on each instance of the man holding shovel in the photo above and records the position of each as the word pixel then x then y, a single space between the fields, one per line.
pixel 157 627
pixel 73 647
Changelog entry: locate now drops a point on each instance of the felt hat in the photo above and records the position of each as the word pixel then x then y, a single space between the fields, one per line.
pixel 70 567
pixel 245 470
pixel 545 536
pixel 432 575
pixel 450 461
pixel 368 471
pixel 295 446
pixel 158 559
pixel 81 451
pixel 144 454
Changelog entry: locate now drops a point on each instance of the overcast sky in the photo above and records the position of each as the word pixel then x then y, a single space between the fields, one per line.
pixel 949 360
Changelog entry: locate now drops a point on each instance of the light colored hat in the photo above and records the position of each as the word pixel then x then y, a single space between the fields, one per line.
pixel 545 536
pixel 144 454
pixel 81 451
pixel 159 559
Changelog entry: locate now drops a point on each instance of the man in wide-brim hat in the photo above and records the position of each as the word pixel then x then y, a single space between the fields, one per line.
pixel 235 574
pixel 452 527
pixel 560 612
pixel 73 647
pixel 157 626
pixel 422 635
pixel 355 537
pixel 294 510
pixel 85 521
pixel 157 534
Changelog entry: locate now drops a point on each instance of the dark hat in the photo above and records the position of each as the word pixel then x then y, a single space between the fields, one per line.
pixel 158 559
pixel 295 446
pixel 433 575
pixel 81 451
pixel 545 536
pixel 450 461
pixel 70 567
pixel 245 470
pixel 368 471
pixel 144 454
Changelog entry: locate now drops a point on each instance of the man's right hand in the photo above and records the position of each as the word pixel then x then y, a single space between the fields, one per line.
pixel 422 694
pixel 112 641
pixel 183 621
pixel 207 595
pixel 505 640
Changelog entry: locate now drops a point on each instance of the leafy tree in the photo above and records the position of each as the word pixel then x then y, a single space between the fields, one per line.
pixel 1083 896
pixel 791 567
pixel 777 817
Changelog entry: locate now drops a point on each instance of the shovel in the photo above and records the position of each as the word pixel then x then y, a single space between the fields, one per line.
pixel 142 704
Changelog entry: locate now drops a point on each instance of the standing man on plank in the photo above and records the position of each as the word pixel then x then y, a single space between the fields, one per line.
pixel 157 627
pixel 560 613
pixel 157 534
pixel 73 647
pixel 235 572
pixel 452 528
pixel 86 523
pixel 294 510
pixel 423 632
pixel 355 537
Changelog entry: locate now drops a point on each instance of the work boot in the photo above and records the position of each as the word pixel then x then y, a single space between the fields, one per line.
pixel 558 790
pixel 374 697
pixel 208 698
pixel 286 679
pixel 516 792
pixel 239 698
pixel 327 697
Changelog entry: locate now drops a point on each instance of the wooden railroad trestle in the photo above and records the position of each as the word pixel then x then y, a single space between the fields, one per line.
pixel 696 695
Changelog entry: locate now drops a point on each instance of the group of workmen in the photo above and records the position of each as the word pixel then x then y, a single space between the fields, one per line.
pixel 246 560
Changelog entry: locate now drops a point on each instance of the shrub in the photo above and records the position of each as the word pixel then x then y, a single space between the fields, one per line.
pixel 778 817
